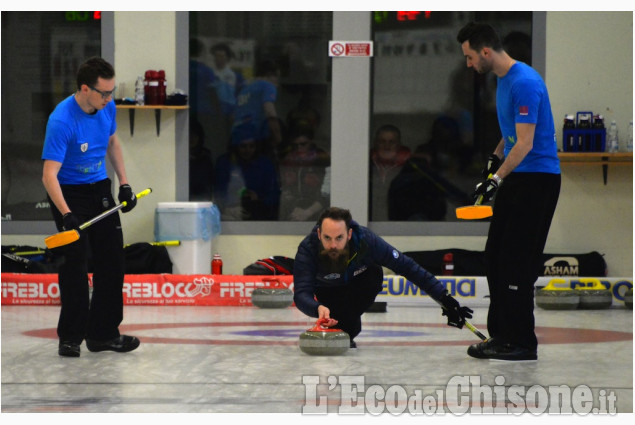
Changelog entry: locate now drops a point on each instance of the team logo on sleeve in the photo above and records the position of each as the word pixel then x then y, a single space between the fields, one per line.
pixel 395 253
pixel 523 110
pixel 84 147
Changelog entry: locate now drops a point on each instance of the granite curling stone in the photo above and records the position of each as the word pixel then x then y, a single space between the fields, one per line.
pixel 595 296
pixel 272 297
pixel 557 296
pixel 628 299
pixel 322 341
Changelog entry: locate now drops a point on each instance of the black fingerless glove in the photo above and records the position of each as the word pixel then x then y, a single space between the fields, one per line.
pixel 127 195
pixel 486 189
pixel 455 313
pixel 70 221
pixel 493 162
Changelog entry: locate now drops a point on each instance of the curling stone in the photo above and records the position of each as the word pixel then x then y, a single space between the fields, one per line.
pixel 628 299
pixel 594 296
pixel 322 341
pixel 273 296
pixel 557 295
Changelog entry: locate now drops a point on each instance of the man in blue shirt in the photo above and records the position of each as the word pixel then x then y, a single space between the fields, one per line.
pixel 80 134
pixel 337 273
pixel 255 106
pixel 526 159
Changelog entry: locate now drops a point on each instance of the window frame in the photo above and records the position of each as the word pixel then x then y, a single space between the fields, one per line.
pixel 353 194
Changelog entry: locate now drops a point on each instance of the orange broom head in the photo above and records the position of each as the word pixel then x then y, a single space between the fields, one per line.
pixel 61 239
pixel 474 212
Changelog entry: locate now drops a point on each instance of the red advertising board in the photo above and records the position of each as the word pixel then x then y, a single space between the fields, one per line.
pixel 148 289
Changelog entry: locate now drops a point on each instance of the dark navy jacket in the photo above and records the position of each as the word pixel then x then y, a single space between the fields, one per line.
pixel 367 248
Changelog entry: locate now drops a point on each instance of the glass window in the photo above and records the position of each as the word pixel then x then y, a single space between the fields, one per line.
pixel 41 52
pixel 260 91
pixel 433 120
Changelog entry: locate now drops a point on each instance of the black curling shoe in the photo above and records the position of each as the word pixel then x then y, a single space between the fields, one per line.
pixel 494 350
pixel 68 349
pixel 121 344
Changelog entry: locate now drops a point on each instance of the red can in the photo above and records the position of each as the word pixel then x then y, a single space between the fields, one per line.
pixel 217 264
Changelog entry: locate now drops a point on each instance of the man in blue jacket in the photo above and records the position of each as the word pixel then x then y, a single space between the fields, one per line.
pixel 337 273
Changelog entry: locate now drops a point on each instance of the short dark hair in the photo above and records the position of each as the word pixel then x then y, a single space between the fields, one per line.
pixel 480 35
pixel 337 214
pixel 93 69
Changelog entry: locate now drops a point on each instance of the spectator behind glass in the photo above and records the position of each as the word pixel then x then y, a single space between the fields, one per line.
pixel 256 106
pixel 302 173
pixel 421 191
pixel 387 157
pixel 246 183
pixel 228 82
pixel 202 97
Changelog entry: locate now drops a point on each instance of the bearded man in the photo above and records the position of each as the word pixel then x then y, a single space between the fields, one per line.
pixel 338 272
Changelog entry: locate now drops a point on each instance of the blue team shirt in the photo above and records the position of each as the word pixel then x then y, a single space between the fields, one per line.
pixel 79 141
pixel 522 97
pixel 249 106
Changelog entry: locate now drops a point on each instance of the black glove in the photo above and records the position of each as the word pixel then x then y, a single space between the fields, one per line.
pixel 487 188
pixel 453 310
pixel 493 162
pixel 127 195
pixel 70 221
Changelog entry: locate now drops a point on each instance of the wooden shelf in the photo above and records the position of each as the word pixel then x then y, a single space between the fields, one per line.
pixel 157 113
pixel 596 158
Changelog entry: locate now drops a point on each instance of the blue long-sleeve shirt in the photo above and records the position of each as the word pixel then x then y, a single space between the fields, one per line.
pixel 367 249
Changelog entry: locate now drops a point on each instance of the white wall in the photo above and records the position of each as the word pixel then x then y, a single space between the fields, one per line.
pixel 149 158
pixel 589 66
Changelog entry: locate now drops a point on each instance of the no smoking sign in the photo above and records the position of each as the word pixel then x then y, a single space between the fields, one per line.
pixel 350 48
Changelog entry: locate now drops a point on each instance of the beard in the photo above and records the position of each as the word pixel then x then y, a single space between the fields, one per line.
pixel 334 260
pixel 483 67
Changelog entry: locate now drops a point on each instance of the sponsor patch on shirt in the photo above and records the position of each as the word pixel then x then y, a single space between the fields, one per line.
pixel 523 110
pixel 84 147
pixel 89 168
pixel 332 276
pixel 360 270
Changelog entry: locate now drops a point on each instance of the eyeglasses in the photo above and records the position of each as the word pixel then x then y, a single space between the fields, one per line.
pixel 104 94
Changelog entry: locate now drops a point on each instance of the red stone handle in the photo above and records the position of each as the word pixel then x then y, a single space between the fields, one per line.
pixel 319 328
pixel 274 282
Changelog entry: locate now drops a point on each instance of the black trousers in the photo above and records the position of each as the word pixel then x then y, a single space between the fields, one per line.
pixel 523 210
pixel 100 317
pixel 347 303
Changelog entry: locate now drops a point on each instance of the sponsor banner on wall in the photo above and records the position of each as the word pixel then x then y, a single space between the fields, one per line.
pixel 474 292
pixel 30 289
pixel 235 290
pixel 471 291
pixel 211 290
pixel 148 289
